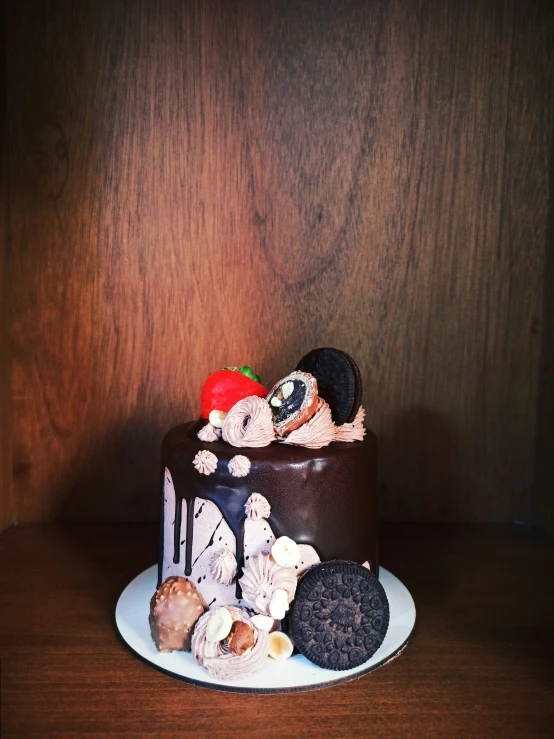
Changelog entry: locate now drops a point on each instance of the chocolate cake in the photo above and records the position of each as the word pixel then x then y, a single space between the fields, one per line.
pixel 258 492
pixel 322 497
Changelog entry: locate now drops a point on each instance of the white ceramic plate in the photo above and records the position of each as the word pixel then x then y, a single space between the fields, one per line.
pixel 292 675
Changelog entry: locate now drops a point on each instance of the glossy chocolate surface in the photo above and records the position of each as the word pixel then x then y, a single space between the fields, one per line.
pixel 323 497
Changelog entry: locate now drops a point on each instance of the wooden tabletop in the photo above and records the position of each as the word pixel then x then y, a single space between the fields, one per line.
pixel 480 663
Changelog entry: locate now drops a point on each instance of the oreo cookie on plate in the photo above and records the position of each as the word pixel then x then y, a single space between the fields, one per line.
pixel 338 380
pixel 340 615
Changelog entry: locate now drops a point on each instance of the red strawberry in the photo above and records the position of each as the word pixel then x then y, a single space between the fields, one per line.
pixel 224 388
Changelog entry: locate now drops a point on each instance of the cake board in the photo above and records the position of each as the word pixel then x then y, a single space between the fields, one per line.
pixel 296 674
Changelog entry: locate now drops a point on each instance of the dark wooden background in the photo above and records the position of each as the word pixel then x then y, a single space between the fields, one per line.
pixel 199 184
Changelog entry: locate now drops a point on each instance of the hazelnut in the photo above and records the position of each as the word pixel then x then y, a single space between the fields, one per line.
pixel 241 639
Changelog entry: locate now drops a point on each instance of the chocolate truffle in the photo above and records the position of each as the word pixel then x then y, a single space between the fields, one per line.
pixel 174 609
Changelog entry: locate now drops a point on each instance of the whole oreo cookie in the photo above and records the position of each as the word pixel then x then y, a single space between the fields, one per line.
pixel 338 381
pixel 339 616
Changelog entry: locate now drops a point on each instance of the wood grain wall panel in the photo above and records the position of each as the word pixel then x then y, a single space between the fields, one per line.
pixel 202 184
pixel 7 511
pixel 526 219
pixel 543 479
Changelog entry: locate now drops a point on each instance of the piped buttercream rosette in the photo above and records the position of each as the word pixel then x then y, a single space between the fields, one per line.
pixel 220 662
pixel 261 578
pixel 257 507
pixel 249 423
pixel 209 433
pixel 205 462
pixel 223 566
pixel 239 465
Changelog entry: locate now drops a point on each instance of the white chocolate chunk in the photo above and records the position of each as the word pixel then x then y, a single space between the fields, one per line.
pixel 279 603
pixel 275 402
pixel 287 389
pixel 216 418
pixel 263 623
pixel 219 625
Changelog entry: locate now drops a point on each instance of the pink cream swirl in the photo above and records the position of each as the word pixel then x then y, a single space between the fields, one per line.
pixel 320 430
pixel 218 660
pixel 317 432
pixel 249 423
pixel 354 431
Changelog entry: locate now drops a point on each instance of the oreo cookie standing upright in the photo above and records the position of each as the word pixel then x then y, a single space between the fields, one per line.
pixel 359 389
pixel 338 380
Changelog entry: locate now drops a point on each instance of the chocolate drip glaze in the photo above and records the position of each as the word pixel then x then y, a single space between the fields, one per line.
pixel 189 535
pixel 240 560
pixel 177 530
pixel 323 497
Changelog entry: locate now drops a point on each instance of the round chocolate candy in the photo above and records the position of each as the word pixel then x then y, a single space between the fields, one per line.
pixel 339 616
pixel 338 381
pixel 174 609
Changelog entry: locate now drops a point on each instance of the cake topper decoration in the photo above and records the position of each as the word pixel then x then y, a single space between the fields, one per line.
pixel 224 388
pixel 246 370
pixel 318 403
pixel 249 423
pixel 318 432
pixel 338 379
pixel 293 401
